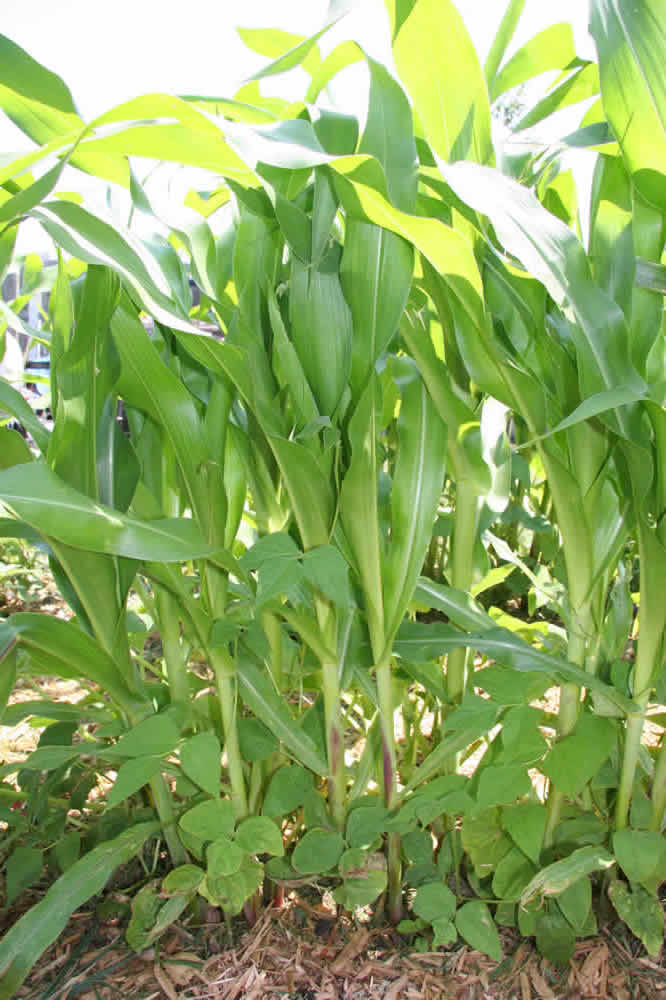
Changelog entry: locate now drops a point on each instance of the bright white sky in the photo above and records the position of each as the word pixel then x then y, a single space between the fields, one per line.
pixel 108 52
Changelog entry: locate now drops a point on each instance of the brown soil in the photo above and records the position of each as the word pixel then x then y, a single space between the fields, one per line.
pixel 302 951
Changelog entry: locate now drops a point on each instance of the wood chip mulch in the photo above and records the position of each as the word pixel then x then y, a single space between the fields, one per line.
pixel 303 952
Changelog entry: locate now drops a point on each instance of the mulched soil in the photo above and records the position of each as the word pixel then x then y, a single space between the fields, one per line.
pixel 303 951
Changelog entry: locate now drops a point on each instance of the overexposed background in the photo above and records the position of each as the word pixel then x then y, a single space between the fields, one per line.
pixel 107 53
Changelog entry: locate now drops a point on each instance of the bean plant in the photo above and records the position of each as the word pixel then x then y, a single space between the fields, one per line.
pixel 389 492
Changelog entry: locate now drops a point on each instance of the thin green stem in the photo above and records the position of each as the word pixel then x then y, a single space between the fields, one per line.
pixel 659 789
pixel 164 806
pixel 334 743
pixel 645 658
pixel 225 678
pixel 648 657
pixel 567 717
pixel 273 630
pixel 389 770
pixel 337 780
pixel 175 661
pixel 462 564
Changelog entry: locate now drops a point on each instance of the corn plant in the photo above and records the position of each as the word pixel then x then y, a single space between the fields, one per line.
pixel 410 330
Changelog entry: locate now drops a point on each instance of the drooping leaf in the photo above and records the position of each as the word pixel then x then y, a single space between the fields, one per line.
pixel 258 692
pixel 57 510
pixel 33 933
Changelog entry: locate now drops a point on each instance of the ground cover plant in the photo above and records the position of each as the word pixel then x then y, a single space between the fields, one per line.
pixel 329 534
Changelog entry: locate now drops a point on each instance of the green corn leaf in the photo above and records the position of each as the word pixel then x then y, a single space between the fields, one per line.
pixel 149 385
pixel 630 45
pixel 444 80
pixel 13 402
pixel 61 648
pixel 389 136
pixel 84 373
pixel 96 242
pixel 171 143
pixel 443 753
pixel 35 99
pixel 23 944
pixel 321 328
pixel 579 85
pixel 551 253
pixel 343 55
pixel 258 693
pixel 462 609
pixel 56 510
pixel 418 641
pixel 359 510
pixel 304 53
pixel 376 272
pixel 612 252
pixel 309 490
pixel 20 204
pixel 223 359
pixel 417 487
pixel 23 868
pixel 288 369
pixel 501 42
pixel 552 48
pixel 41 105
pixel 273 42
pixel 14 450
